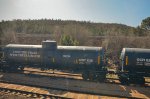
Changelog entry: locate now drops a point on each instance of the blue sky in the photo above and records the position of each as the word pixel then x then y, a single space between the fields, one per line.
pixel 129 12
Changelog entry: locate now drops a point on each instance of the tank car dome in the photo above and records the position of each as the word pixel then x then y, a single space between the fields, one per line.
pixel 50 45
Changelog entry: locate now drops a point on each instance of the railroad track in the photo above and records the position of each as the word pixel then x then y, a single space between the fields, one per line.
pixel 77 86
pixel 64 75
pixel 32 92
pixel 28 91
pixel 58 74
pixel 69 76
pixel 61 75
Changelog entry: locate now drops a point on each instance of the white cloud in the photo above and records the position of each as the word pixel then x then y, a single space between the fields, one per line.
pixel 34 9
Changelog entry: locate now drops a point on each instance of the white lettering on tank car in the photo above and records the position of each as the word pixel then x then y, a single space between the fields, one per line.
pixel 143 61
pixel 85 61
pixel 82 59
pixel 140 59
pixel 147 64
pixel 25 54
pixel 90 60
pixel 66 56
pixel 147 60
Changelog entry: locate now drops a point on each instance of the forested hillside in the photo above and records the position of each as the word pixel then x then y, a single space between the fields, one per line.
pixel 49 26
pixel 113 37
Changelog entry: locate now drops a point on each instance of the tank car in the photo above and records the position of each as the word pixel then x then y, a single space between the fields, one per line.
pixel 84 59
pixel 135 65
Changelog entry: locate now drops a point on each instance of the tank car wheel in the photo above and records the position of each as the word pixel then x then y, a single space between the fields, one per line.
pixel 4 70
pixel 85 75
pixel 123 79
pixel 92 76
pixel 21 68
pixel 101 78
pixel 1 69
pixel 141 81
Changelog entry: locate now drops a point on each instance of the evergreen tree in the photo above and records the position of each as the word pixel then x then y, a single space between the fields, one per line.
pixel 68 40
pixel 146 23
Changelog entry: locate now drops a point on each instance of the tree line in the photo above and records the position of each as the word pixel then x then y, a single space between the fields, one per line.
pixel 71 32
pixel 51 26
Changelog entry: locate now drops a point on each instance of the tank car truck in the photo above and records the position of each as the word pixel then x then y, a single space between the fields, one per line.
pixel 84 59
pixel 135 65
